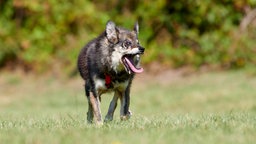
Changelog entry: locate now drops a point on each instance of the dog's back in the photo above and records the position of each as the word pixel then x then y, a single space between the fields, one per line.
pixel 89 52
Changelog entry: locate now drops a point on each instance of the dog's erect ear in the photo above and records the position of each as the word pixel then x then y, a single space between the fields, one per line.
pixel 111 32
pixel 136 27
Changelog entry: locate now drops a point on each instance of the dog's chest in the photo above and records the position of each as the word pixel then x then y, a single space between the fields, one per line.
pixel 115 61
pixel 102 86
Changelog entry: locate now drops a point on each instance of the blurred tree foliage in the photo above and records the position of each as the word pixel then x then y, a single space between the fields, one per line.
pixel 48 34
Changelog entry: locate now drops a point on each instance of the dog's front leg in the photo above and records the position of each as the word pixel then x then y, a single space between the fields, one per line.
pixel 125 113
pixel 95 103
pixel 112 107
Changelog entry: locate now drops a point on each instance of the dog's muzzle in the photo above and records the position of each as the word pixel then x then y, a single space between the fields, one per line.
pixel 130 61
pixel 141 50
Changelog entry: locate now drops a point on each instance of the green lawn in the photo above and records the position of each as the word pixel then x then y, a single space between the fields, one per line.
pixel 207 108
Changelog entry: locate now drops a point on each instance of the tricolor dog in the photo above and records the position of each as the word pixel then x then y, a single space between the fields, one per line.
pixel 108 63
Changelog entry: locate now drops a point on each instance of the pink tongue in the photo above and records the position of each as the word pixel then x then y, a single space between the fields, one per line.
pixel 134 69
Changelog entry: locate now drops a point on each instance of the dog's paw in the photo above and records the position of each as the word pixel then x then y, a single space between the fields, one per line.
pixel 108 118
pixel 98 124
pixel 129 113
pixel 126 117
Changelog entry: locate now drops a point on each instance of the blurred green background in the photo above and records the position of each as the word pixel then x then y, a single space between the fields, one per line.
pixel 172 106
pixel 46 35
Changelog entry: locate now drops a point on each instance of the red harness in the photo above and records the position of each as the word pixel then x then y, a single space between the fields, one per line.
pixel 107 81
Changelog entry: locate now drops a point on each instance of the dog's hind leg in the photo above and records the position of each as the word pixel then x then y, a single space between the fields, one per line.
pixel 93 105
pixel 112 107
pixel 95 102
pixel 90 109
pixel 90 112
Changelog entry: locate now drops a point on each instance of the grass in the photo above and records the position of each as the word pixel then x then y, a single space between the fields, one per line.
pixel 203 108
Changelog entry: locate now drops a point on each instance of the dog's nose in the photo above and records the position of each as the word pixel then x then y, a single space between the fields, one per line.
pixel 141 49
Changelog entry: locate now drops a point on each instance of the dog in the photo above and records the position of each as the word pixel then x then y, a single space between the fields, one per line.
pixel 108 63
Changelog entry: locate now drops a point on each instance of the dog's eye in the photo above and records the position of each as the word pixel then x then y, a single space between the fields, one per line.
pixel 127 44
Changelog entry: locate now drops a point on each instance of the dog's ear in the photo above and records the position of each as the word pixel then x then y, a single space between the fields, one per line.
pixel 136 27
pixel 111 32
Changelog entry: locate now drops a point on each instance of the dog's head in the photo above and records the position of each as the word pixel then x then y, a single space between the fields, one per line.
pixel 126 47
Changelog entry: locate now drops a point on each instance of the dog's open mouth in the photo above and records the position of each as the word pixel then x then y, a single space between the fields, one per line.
pixel 129 63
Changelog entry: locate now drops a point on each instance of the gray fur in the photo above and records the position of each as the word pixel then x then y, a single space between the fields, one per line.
pixel 136 28
pixel 111 32
pixel 103 56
